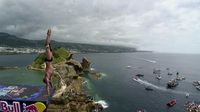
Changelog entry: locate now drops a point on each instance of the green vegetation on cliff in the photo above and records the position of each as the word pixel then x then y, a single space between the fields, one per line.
pixel 60 54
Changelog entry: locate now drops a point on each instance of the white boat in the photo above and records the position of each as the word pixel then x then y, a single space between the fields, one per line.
pixel 172 83
pixel 158 76
pixel 180 78
pixel 198 87
pixel 135 78
pixel 196 83
pixel 128 66
pixel 156 71
pixel 187 95
pixel 170 73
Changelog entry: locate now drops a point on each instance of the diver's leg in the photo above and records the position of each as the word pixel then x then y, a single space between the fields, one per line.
pixel 48 37
pixel 47 84
pixel 51 83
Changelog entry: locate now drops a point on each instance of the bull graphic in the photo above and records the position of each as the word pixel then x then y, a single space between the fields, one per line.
pixel 30 108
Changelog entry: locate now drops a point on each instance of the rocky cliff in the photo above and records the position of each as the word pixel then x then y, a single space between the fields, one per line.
pixel 69 96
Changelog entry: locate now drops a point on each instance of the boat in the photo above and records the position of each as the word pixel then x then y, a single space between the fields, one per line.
pixel 148 88
pixel 198 87
pixel 156 71
pixel 187 95
pixel 172 83
pixel 196 83
pixel 135 78
pixel 158 76
pixel 142 110
pixel 169 73
pixel 179 78
pixel 183 78
pixel 128 66
pixel 139 75
pixel 171 103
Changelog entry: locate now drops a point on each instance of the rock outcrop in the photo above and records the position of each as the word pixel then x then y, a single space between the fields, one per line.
pixel 85 64
pixel 5 68
pixel 69 96
pixel 95 75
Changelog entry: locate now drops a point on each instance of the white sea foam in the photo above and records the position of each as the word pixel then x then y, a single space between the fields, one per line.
pixel 151 61
pixel 84 82
pixel 92 69
pixel 103 74
pixel 146 83
pixel 103 103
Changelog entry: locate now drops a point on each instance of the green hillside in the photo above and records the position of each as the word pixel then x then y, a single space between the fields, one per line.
pixel 59 55
pixel 7 40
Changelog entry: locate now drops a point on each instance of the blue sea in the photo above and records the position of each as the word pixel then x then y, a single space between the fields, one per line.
pixel 116 89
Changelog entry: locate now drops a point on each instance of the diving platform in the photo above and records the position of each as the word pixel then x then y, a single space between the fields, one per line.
pixel 24 98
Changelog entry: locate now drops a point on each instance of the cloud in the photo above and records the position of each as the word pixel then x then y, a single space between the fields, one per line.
pixel 163 26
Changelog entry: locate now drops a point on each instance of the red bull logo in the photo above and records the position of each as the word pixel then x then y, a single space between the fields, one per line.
pixel 15 107
pixel 10 108
pixel 30 108
pixel 37 107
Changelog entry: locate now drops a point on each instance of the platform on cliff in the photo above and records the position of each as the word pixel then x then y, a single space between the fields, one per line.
pixel 17 98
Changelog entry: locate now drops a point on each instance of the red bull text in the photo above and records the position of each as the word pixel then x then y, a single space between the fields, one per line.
pixel 16 107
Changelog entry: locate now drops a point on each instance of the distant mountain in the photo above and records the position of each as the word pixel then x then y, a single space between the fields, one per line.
pixel 7 40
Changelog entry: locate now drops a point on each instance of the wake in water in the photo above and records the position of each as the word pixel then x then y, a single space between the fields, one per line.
pixel 151 61
pixel 146 83
pixel 103 103
pixel 85 81
pixel 103 74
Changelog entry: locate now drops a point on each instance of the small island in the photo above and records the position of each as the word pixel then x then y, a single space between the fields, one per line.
pixel 5 68
pixel 95 75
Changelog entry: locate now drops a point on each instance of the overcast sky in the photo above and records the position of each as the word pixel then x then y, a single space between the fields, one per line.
pixel 158 25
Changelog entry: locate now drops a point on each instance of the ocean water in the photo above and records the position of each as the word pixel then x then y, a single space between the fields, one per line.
pixel 116 89
pixel 122 94
pixel 21 76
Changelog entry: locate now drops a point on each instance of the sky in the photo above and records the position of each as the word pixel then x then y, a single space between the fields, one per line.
pixel 169 26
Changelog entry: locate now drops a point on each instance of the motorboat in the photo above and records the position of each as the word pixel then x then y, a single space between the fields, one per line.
pixel 148 88
pixel 169 73
pixel 135 78
pixel 171 103
pixel 179 78
pixel 158 77
pixel 156 71
pixel 142 110
pixel 187 95
pixel 198 87
pixel 139 75
pixel 196 83
pixel 172 83
pixel 128 66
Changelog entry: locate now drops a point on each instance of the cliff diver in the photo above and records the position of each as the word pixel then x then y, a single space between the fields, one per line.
pixel 49 67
